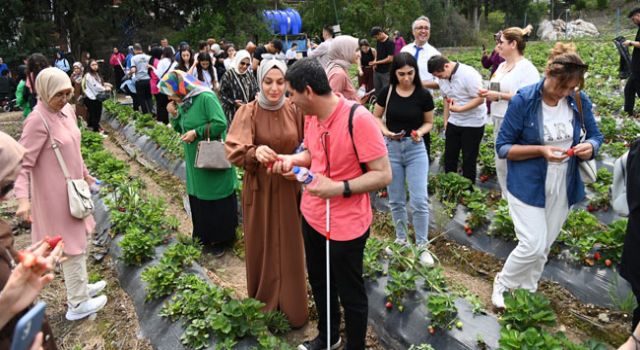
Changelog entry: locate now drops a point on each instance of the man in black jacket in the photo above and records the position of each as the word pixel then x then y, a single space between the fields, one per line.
pixel 633 83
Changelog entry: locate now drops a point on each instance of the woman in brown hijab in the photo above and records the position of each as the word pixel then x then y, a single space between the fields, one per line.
pixel 19 285
pixel 274 257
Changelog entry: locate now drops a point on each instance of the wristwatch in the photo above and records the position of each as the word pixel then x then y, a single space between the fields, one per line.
pixel 346 193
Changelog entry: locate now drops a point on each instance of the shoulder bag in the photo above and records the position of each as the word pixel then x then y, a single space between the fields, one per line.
pixel 210 154
pixel 386 106
pixel 78 192
pixel 588 169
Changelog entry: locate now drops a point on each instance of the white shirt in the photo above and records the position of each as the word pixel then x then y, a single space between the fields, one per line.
pixel 229 63
pixel 557 121
pixel 92 86
pixel 463 87
pixel 164 66
pixel 291 54
pixel 522 74
pixel 321 52
pixel 424 55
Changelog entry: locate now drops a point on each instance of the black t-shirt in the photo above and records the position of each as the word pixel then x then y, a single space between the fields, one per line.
pixel 405 113
pixel 384 49
pixel 635 56
pixel 259 51
pixel 365 58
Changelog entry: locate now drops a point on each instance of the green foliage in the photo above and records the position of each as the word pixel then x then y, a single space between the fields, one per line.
pixel 502 224
pixel 449 186
pixel 398 284
pixel 524 309
pixel 372 264
pixel 137 247
pixel 160 280
pixel 442 309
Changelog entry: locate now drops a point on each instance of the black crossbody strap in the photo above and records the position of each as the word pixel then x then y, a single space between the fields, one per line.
pixel 363 166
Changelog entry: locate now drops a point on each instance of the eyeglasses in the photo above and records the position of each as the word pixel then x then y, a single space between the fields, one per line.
pixel 6 189
pixel 422 28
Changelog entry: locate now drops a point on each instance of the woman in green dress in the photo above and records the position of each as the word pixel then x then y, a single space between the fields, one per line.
pixel 212 198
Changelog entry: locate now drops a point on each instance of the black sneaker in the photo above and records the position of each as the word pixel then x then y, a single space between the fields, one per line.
pixel 217 250
pixel 319 344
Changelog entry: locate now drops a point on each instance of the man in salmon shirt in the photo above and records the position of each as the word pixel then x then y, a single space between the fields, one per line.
pixel 341 179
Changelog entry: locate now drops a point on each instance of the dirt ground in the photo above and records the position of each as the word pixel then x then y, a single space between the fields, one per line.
pixel 117 327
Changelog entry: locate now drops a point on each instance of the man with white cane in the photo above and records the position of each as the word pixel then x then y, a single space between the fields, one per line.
pixel 345 170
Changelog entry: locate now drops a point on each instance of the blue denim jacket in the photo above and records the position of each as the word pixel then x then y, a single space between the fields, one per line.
pixel 523 125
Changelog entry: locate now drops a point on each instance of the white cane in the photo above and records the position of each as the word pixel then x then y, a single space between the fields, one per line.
pixel 328 226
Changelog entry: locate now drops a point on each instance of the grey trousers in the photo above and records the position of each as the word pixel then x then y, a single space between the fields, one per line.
pixel 74 269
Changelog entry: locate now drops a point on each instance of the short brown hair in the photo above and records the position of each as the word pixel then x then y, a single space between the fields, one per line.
pixel 515 34
pixel 566 65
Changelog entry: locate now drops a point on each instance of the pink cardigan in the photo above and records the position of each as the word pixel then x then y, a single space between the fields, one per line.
pixel 42 177
pixel 341 83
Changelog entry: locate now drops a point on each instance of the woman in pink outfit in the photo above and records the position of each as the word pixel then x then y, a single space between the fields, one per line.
pixel 41 188
pixel 344 52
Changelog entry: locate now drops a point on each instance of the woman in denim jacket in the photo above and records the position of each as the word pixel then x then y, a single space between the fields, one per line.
pixel 540 127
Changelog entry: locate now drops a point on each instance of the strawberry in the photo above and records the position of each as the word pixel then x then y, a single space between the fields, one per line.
pixel 389 305
pixel 432 330
pixel 597 256
pixel 122 209
pixel 53 241
pixel 591 208
pixel 414 133
pixel 484 178
pixel 270 165
pixel 570 152
pixel 383 194
pixel 468 232
pixel 608 263
pixel 27 258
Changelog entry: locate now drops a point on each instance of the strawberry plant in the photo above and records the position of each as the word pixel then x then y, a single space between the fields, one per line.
pixel 449 186
pixel 372 265
pixel 434 279
pixel 137 247
pixel 398 284
pixel 442 310
pixel 524 309
pixel 614 149
pixel 421 347
pixel 476 202
pixel 602 197
pixel 502 224
pixel 630 130
pixel 608 128
pixel 160 279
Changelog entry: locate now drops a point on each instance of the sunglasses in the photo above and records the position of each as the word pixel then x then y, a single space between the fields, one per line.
pixel 572 66
pixel 243 64
pixel 6 189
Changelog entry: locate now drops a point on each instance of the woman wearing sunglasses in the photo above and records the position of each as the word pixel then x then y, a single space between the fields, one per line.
pixel 237 88
pixel 540 138
pixel 514 73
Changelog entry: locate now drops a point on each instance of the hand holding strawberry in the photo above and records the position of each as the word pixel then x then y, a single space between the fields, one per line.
pixel 415 136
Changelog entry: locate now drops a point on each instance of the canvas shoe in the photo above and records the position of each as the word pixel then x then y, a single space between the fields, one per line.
pixel 398 241
pixel 95 288
pixel 425 257
pixel 319 344
pixel 497 297
pixel 86 308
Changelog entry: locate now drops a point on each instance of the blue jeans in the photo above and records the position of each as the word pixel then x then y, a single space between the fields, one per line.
pixel 409 162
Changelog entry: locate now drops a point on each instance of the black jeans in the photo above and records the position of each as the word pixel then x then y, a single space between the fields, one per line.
pixel 161 108
pixel 94 108
pixel 630 91
pixel 466 139
pixel 143 91
pixel 347 283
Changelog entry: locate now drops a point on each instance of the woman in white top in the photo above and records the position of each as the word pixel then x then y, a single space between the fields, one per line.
pixel 514 73
pixel 231 56
pixel 203 70
pixel 166 64
pixel 93 86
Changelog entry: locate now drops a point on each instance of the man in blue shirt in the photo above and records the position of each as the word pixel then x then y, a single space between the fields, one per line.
pixel 3 66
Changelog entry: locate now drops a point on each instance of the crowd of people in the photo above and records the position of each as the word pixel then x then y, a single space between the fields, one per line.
pixel 276 111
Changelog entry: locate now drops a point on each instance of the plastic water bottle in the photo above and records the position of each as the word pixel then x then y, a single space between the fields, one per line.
pixel 362 91
pixel 303 175
pixel 95 187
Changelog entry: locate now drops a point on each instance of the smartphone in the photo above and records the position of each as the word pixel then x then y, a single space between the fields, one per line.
pixel 28 327
pixel 494 86
pixel 400 134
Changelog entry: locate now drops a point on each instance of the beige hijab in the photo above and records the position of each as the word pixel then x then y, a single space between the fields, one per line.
pixel 11 153
pixel 265 66
pixel 342 51
pixel 50 81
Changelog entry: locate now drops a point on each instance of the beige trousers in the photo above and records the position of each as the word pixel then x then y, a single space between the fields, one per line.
pixel 74 269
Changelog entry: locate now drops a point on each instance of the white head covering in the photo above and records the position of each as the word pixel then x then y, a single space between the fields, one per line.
pixel 50 81
pixel 240 55
pixel 11 153
pixel 342 51
pixel 265 66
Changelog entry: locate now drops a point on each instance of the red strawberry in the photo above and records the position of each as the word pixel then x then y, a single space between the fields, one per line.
pixel 53 241
pixel 432 330
pixel 597 256
pixel 122 209
pixel 383 194
pixel 414 133
pixel 468 231
pixel 570 152
pixel 591 208
pixel 269 165
pixel 389 305
pixel 608 263
pixel 484 178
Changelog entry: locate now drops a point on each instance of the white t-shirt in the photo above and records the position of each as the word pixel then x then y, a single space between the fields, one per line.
pixel 140 61
pixel 523 73
pixel 164 66
pixel 424 55
pixel 463 87
pixel 558 127
pixel 291 54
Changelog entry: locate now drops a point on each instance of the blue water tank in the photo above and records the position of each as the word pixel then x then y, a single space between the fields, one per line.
pixel 283 22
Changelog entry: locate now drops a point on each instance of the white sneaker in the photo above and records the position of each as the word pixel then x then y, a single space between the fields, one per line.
pixel 426 258
pixel 398 241
pixel 95 288
pixel 497 297
pixel 86 308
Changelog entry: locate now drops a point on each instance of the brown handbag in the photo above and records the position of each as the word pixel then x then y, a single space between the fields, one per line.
pixel 210 154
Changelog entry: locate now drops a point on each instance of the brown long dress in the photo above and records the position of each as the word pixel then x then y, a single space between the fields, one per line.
pixel 272 234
